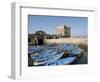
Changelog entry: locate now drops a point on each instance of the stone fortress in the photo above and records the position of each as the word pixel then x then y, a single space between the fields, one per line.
pixel 63 31
pixel 62 36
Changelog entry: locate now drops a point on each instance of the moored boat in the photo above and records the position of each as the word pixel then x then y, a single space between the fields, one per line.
pixel 62 54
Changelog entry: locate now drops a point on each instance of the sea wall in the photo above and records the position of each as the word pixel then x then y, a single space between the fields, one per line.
pixel 67 41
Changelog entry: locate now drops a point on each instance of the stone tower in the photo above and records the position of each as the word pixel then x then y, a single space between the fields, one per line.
pixel 63 31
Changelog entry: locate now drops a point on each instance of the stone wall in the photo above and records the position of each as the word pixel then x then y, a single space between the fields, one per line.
pixel 67 41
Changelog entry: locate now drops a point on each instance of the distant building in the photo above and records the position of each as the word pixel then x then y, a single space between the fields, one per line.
pixel 63 31
pixel 38 38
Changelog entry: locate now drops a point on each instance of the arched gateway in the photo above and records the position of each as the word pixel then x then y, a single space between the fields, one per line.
pixel 40 35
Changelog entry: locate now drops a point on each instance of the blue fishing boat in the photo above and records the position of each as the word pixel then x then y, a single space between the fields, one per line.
pixel 62 54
